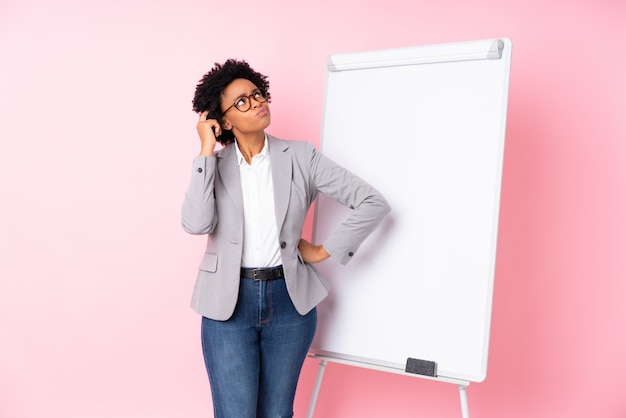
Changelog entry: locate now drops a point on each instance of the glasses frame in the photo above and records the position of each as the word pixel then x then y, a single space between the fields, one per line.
pixel 261 99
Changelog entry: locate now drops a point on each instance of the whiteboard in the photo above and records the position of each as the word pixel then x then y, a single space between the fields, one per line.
pixel 426 126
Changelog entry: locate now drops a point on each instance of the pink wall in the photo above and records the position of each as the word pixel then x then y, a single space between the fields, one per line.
pixel 96 139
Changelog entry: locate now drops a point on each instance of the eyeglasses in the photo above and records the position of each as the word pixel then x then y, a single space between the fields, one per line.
pixel 243 103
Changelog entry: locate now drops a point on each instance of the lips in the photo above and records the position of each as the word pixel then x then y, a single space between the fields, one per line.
pixel 262 112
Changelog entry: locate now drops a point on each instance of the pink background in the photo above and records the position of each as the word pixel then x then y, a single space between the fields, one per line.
pixel 97 137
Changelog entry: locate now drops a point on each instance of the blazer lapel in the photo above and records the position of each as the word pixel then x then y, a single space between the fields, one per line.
pixel 281 177
pixel 228 168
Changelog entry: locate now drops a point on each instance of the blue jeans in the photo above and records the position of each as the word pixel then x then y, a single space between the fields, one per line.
pixel 254 358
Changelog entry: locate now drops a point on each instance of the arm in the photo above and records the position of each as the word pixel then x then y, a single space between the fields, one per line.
pixel 198 211
pixel 368 206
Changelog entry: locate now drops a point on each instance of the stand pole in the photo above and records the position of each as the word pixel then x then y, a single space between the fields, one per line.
pixel 463 394
pixel 316 389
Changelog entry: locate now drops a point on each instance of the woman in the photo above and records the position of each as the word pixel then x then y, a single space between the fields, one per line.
pixel 257 288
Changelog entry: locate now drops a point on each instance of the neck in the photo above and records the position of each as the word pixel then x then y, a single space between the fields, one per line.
pixel 251 145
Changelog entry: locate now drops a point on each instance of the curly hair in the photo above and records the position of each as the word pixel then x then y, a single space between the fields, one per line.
pixel 208 95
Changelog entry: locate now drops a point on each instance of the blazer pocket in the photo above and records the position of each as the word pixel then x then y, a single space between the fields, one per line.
pixel 209 262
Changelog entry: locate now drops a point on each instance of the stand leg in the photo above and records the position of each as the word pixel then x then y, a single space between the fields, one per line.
pixel 316 390
pixel 463 394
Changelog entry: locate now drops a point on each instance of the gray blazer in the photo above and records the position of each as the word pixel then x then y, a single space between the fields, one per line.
pixel 213 205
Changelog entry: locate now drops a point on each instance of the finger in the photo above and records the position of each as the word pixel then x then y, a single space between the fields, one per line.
pixel 204 115
pixel 215 127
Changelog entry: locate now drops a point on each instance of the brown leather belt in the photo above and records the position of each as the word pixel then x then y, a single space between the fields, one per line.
pixel 267 273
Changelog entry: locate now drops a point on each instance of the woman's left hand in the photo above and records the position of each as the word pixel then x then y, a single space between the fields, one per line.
pixel 312 253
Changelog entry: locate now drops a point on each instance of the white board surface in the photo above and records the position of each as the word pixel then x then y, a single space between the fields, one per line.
pixel 425 126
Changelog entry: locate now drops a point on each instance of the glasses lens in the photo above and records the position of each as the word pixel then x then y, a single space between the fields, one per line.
pixel 243 104
pixel 258 96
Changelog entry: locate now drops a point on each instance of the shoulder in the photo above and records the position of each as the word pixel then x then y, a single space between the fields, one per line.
pixel 292 145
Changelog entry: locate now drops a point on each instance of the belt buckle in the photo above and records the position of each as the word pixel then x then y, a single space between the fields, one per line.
pixel 254 275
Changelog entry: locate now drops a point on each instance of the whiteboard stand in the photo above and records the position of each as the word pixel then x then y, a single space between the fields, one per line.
pixel 463 394
pixel 316 389
pixel 462 384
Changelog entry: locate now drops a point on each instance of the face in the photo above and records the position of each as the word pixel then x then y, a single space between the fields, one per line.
pixel 252 121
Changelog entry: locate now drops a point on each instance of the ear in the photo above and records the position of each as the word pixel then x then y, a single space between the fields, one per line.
pixel 226 124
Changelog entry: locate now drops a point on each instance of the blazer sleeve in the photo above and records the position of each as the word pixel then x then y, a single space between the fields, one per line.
pixel 198 212
pixel 368 205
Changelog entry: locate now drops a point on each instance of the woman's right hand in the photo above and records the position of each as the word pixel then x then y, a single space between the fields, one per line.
pixel 208 130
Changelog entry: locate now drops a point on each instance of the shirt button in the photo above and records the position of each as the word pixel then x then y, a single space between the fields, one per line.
pixel 199 170
pixel 350 254
pixel 283 244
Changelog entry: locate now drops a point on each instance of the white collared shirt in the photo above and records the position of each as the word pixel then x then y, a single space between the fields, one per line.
pixel 260 233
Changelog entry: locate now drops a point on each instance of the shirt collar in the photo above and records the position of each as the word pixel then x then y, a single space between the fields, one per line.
pixel 263 154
